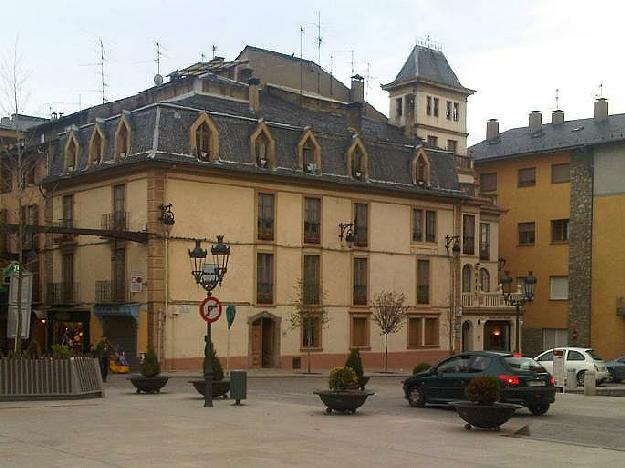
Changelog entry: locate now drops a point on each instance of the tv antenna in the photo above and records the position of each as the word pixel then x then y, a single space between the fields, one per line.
pixel 214 49
pixel 599 94
pixel 158 78
pixel 557 99
pixel 101 64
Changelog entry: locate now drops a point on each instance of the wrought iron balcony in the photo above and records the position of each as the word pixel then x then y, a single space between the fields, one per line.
pixel 116 221
pixel 110 292
pixel 62 293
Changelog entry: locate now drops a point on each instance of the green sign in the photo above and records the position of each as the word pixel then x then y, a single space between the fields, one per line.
pixel 231 312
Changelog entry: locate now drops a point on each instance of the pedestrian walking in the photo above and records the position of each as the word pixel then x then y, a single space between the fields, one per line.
pixel 103 352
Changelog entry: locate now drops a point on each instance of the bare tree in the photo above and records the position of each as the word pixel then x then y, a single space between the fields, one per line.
pixel 389 314
pixel 308 314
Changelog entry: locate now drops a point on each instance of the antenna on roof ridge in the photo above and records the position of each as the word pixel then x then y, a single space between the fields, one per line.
pixel 101 63
pixel 301 60
pixel 599 94
pixel 202 56
pixel 158 78
pixel 557 99
pixel 214 49
pixel 428 43
pixel 319 40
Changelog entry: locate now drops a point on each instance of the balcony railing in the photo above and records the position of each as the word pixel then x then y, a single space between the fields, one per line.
pixel 110 292
pixel 493 300
pixel 116 221
pixel 62 293
pixel 464 162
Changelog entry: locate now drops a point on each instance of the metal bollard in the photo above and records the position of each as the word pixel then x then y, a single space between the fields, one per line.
pixel 590 383
pixel 571 380
pixel 238 385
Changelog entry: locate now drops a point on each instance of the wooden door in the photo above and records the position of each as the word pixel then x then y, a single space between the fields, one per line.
pixel 257 343
pixel 267 343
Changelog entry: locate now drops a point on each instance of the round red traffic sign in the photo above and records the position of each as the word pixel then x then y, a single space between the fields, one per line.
pixel 210 309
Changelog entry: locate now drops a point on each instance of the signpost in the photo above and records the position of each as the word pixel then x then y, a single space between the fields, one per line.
pixel 210 311
pixel 231 312
pixel 558 367
pixel 19 308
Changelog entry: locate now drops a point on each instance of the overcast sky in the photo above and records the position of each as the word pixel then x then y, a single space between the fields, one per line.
pixel 515 54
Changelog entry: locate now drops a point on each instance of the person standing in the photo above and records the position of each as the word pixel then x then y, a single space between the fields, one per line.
pixel 103 352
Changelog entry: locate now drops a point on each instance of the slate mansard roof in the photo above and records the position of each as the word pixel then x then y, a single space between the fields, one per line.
pixel 553 137
pixel 160 132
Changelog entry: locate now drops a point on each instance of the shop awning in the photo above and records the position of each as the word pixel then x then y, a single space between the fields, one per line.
pixel 117 310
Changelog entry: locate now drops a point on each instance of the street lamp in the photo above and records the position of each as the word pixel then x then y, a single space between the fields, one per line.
pixel 452 245
pixel 527 295
pixel 209 276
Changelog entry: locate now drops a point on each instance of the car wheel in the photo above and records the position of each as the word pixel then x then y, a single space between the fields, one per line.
pixel 538 410
pixel 617 380
pixel 416 397
pixel 580 378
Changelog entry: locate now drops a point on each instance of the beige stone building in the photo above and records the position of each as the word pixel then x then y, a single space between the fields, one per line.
pixel 276 170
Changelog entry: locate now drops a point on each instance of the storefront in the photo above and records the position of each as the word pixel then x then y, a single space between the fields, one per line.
pixel 69 328
pixel 119 325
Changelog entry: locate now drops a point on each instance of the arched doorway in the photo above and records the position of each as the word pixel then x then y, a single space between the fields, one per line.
pixel 467 336
pixel 497 336
pixel 264 340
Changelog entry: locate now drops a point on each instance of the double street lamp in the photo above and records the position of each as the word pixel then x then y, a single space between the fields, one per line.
pixel 518 301
pixel 209 276
pixel 452 245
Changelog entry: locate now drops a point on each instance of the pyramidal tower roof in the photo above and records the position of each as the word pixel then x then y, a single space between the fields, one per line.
pixel 430 65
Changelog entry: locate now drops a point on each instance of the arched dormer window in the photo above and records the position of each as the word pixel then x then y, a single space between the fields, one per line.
pixel 357 160
pixel 122 138
pixel 484 280
pixel 263 147
pixel 421 168
pixel 72 151
pixel 309 153
pixel 97 146
pixel 467 279
pixel 204 138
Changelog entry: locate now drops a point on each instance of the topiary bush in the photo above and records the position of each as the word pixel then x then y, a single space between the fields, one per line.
pixel 342 378
pixel 218 371
pixel 150 366
pixel 422 366
pixel 61 352
pixel 355 362
pixel 483 390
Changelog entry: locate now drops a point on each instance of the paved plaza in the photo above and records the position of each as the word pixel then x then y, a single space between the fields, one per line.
pixel 282 425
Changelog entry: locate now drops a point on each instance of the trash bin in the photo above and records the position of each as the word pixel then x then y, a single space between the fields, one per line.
pixel 238 385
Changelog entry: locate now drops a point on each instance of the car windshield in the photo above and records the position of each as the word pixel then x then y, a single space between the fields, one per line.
pixel 523 363
pixel 594 355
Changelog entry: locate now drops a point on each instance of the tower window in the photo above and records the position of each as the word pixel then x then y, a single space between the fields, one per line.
pixel 456 112
pixel 435 107
pixel 203 139
pixel 398 107
pixel 428 106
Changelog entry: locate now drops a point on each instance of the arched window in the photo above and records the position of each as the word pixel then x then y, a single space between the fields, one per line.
pixel 484 280
pixel 122 138
pixel 467 279
pixel 204 139
pixel 357 160
pixel 421 168
pixel 97 146
pixel 309 152
pixel 71 153
pixel 263 147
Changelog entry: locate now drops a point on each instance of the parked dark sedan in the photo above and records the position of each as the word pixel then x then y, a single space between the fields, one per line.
pixel 616 368
pixel 523 380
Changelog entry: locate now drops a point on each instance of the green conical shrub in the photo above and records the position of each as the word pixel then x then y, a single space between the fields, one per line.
pixel 150 366
pixel 355 362
pixel 218 371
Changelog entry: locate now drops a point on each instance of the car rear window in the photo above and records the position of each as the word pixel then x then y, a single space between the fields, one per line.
pixel 523 363
pixel 594 355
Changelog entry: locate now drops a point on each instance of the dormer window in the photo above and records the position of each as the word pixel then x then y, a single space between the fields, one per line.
pixel 204 139
pixel 263 147
pixel 357 160
pixel 421 168
pixel 71 153
pixel 309 152
pixel 122 138
pixel 96 146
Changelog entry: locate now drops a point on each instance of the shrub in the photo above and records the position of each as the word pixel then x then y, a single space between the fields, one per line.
pixel 422 366
pixel 218 371
pixel 150 366
pixel 355 362
pixel 483 390
pixel 61 352
pixel 342 378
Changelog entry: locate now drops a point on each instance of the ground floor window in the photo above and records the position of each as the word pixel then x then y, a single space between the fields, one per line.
pixel 311 332
pixel 555 337
pixel 360 331
pixel 423 331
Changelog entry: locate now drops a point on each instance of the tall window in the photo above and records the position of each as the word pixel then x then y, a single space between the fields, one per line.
pixel 358 159
pixel 428 105
pixel 431 333
pixel 312 220
pixel 456 111
pixel 361 224
pixel 261 146
pixel 430 226
pixel 423 281
pixel 118 266
pixel 360 281
pixel 119 207
pixel 310 155
pixel 417 225
pixel 398 107
pixel 415 332
pixel 71 155
pixel 435 107
pixel 265 216
pixel 484 280
pixel 484 241
pixel 264 278
pixel 312 280
pixel 311 331
pixel 448 110
pixel 422 169
pixel 467 279
pixel 488 182
pixel 4 238
pixel 560 173
pixel 526 177
pixel 527 233
pixel 67 286
pixel 203 142
pixel 68 211
pixel 360 332
pixel 6 178
pixel 560 230
pixel 122 140
pixel 468 234
pixel 96 151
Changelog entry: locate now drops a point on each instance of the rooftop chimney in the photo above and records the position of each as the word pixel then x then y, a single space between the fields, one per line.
pixel 492 130
pixel 536 122
pixel 254 98
pixel 557 117
pixel 357 92
pixel 601 110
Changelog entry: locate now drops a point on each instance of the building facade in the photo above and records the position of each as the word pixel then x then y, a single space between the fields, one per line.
pixel 560 186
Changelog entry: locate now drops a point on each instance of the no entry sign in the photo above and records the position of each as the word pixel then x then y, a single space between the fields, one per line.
pixel 210 309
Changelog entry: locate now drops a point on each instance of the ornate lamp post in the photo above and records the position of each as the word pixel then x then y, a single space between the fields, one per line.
pixel 527 295
pixel 452 244
pixel 209 276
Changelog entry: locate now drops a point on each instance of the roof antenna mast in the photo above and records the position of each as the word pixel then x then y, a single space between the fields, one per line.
pixel 102 59
pixel 319 40
pixel 301 59
pixel 214 49
pixel 557 99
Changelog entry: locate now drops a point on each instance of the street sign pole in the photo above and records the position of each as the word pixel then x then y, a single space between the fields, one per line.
pixel 210 311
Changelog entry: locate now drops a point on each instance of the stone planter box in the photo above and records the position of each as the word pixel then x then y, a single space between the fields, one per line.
pixel 484 416
pixel 220 387
pixel 148 384
pixel 344 401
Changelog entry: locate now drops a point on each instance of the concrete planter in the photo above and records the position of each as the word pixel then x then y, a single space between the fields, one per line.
pixel 343 401
pixel 220 387
pixel 484 416
pixel 148 384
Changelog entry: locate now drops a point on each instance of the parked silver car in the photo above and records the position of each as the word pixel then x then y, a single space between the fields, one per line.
pixel 579 359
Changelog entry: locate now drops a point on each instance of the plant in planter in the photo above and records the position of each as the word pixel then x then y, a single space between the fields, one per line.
pixel 61 352
pixel 150 380
pixel 483 409
pixel 342 396
pixel 221 386
pixel 355 362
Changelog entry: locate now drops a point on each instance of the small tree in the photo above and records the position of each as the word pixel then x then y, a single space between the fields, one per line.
pixel 355 362
pixel 150 366
pixel 389 314
pixel 308 308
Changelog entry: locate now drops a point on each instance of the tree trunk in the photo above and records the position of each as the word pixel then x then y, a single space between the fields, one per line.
pixel 385 353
